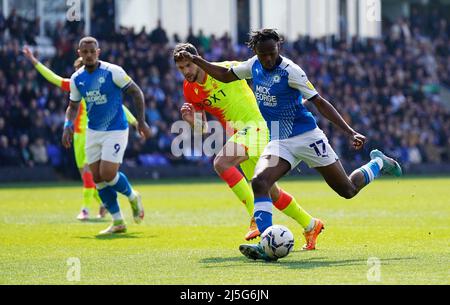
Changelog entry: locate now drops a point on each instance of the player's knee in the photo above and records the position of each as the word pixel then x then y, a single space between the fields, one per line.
pixel 97 179
pixel 220 165
pixel 260 185
pixel 107 175
pixel 348 192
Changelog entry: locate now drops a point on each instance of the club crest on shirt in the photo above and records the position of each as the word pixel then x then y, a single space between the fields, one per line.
pixel 101 80
pixel 276 78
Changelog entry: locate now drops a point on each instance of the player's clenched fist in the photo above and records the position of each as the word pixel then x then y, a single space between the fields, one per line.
pixel 358 140
pixel 187 113
pixel 144 130
pixel 67 136
pixel 183 55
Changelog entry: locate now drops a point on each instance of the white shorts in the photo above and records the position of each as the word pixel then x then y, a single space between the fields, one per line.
pixel 106 145
pixel 312 147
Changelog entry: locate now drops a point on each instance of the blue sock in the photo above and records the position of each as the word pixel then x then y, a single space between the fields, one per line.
pixel 371 170
pixel 263 213
pixel 120 184
pixel 109 198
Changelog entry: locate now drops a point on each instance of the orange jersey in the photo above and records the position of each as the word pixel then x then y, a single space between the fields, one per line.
pixel 229 102
pixel 81 119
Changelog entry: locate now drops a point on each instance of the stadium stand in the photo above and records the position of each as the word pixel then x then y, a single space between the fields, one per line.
pixel 389 89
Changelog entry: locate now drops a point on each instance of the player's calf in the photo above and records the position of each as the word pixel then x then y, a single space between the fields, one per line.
pixel 261 186
pixel 347 192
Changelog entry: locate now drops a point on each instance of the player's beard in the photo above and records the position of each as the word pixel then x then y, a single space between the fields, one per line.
pixel 91 66
pixel 192 79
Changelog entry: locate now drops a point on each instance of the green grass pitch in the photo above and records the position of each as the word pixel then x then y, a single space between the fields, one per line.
pixel 192 232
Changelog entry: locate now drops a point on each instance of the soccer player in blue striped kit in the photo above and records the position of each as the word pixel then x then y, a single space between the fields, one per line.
pixel 101 85
pixel 280 86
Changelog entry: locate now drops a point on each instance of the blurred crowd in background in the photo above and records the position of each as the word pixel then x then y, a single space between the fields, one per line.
pixel 388 89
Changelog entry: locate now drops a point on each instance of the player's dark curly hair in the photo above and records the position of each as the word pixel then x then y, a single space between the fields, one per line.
pixel 263 35
pixel 190 48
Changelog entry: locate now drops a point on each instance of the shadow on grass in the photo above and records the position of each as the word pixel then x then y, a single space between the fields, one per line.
pixel 324 262
pixel 220 260
pixel 130 235
pixel 307 263
pixel 95 220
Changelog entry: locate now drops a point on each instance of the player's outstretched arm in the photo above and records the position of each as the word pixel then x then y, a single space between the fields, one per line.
pixel 71 114
pixel 222 74
pixel 330 113
pixel 137 95
pixel 48 74
pixel 29 54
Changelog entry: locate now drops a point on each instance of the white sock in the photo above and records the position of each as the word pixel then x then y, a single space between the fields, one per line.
pixel 117 216
pixel 101 185
pixel 132 195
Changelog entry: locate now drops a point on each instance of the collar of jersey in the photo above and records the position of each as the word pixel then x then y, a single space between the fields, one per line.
pixel 100 63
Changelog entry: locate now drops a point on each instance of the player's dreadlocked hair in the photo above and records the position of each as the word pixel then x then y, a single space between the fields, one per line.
pixel 263 35
pixel 184 47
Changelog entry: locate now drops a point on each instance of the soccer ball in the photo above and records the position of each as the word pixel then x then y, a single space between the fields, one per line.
pixel 277 241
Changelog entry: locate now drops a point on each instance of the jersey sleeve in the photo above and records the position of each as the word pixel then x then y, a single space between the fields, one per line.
pixel 52 77
pixel 188 92
pixel 298 80
pixel 228 64
pixel 244 69
pixel 120 77
pixel 75 95
pixel 65 84
pixel 130 117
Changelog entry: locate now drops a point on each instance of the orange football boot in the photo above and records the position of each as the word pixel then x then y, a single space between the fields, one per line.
pixel 311 236
pixel 253 231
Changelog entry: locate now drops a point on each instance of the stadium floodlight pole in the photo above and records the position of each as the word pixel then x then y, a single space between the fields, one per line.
pixel 261 14
pixel 308 18
pixel 190 15
pixel 5 8
pixel 40 13
pixel 116 16
pixel 233 21
pixel 327 28
pixel 87 17
pixel 160 10
pixel 288 19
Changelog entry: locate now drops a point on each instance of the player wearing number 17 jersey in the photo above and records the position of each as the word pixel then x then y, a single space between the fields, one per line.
pixel 280 86
pixel 234 105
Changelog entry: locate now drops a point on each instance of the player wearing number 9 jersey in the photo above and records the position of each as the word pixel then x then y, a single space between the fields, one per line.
pixel 280 85
pixel 89 191
pixel 101 85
